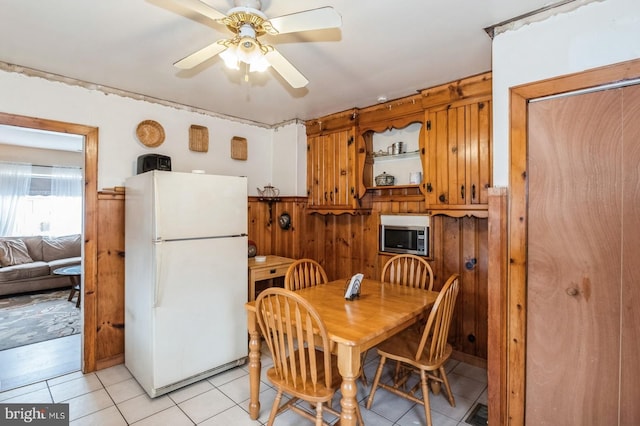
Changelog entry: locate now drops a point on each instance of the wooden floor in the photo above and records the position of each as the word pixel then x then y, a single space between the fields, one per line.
pixel 41 361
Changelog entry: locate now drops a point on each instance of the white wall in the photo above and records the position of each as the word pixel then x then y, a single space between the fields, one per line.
pixel 118 148
pixel 290 160
pixel 597 34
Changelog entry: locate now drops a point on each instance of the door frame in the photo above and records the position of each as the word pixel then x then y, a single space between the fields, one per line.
pixel 90 257
pixel 508 407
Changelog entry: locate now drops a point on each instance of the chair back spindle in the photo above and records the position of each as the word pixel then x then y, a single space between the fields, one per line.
pixel 439 321
pixel 304 273
pixel 408 270
pixel 292 331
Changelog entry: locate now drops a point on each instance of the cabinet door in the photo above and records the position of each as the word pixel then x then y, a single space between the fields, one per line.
pixel 330 164
pixel 457 164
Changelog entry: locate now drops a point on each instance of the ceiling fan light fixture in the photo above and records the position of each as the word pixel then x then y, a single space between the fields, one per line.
pixel 247 22
pixel 248 50
pixel 230 58
pixel 260 64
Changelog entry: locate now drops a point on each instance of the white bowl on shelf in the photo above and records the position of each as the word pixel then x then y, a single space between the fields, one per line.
pixel 260 258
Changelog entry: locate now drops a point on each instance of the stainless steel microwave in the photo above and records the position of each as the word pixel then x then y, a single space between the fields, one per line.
pixel 405 234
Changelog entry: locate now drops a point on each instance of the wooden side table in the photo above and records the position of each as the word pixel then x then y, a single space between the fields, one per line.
pixel 272 267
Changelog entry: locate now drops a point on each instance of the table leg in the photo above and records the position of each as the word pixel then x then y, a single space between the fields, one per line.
pixel 75 286
pixel 349 367
pixel 254 366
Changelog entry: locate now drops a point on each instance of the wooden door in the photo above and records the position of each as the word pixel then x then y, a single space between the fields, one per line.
pixel 330 165
pixel 578 219
pixel 478 152
pixel 458 154
pixel 315 170
pixel 630 290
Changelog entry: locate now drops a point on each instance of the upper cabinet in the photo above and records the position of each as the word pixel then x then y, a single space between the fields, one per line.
pixel 457 147
pixel 446 135
pixel 335 160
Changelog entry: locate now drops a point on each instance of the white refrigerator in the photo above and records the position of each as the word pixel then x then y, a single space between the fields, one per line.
pixel 185 277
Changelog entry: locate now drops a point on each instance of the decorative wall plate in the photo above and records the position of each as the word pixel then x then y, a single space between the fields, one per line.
pixel 150 133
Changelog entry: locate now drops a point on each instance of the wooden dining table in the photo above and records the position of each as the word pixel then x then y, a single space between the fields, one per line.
pixel 381 310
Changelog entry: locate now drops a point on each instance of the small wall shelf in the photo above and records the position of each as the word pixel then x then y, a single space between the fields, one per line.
pixel 269 201
pixel 395 157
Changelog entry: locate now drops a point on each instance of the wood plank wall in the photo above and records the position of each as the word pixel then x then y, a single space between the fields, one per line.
pixel 109 345
pixel 346 244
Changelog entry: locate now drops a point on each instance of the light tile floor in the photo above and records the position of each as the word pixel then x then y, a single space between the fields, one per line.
pixel 112 397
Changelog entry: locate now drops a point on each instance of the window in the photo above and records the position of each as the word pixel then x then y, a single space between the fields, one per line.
pixel 40 200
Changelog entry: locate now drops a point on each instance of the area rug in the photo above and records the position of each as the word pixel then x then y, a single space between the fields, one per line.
pixel 33 318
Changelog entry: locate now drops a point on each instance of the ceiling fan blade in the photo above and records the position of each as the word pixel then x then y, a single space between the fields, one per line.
pixel 201 8
pixel 286 69
pixel 200 56
pixel 313 19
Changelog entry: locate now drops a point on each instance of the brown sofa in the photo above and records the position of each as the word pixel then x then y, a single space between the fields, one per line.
pixel 27 263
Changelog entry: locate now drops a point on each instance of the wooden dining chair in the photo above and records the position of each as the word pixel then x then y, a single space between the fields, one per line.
pixel 424 352
pixel 304 273
pixel 409 270
pixel 303 366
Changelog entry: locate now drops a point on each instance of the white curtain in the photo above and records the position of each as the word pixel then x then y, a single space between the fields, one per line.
pixel 66 182
pixel 15 180
pixel 66 193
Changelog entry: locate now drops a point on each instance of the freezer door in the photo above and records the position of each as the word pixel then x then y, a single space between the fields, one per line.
pixel 190 205
pixel 199 317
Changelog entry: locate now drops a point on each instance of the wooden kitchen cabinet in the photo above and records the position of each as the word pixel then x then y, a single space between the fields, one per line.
pixel 457 147
pixel 335 159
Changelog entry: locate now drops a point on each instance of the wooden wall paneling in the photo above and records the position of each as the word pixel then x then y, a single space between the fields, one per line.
pixel 259 228
pixel 313 238
pixel 496 306
pixel 469 294
pixel 110 281
pixel 481 244
pixel 369 246
pixel 345 247
pixel 283 242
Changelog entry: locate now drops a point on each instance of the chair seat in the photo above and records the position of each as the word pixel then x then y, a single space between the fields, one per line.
pixel 403 347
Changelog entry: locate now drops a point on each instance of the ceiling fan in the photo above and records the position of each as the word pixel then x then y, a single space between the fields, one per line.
pixel 248 23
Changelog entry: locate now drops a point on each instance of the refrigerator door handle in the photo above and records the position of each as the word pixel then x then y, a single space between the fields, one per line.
pixel 158 244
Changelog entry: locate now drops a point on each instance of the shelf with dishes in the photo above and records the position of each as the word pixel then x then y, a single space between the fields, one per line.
pixel 384 156
pixel 410 192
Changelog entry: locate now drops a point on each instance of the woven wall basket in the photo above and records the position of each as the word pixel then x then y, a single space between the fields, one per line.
pixel 150 133
pixel 198 138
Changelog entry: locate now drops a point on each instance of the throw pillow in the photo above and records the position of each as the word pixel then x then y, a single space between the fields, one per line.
pixel 54 248
pixel 14 252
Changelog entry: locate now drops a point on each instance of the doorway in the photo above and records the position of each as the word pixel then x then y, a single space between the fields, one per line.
pixel 89 257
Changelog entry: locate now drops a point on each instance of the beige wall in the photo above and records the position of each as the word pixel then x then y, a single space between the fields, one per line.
pixel 43 157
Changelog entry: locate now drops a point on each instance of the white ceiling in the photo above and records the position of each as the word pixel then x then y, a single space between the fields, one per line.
pixel 383 48
pixel 42 139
